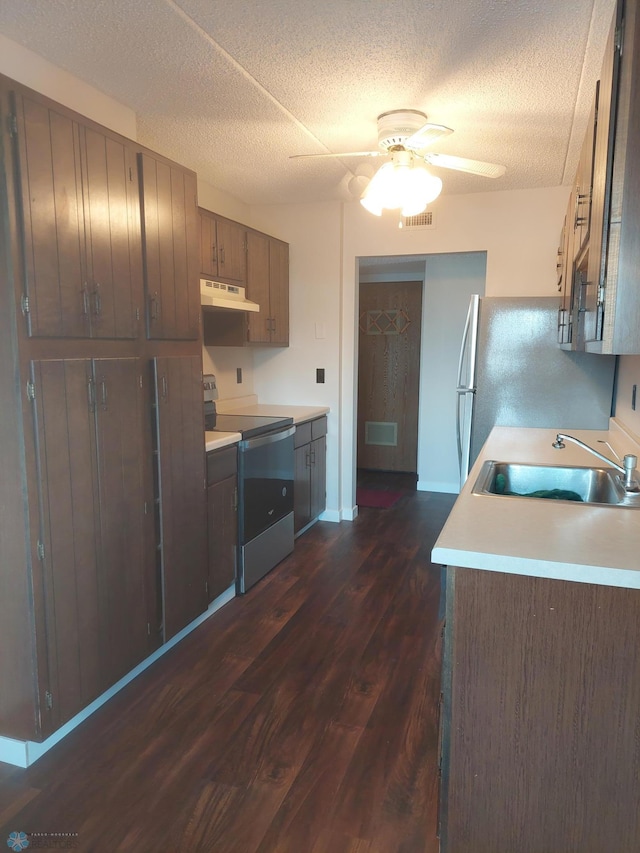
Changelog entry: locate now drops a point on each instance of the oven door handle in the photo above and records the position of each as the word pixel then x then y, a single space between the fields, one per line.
pixel 270 438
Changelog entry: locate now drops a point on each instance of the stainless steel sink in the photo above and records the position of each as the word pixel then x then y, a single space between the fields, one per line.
pixel 513 479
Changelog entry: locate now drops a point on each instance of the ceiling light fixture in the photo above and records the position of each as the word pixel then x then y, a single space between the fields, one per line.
pixel 402 183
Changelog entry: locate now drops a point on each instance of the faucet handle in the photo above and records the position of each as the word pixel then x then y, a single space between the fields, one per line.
pixel 630 462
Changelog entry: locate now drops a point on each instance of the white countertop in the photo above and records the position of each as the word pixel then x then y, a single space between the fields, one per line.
pixel 544 538
pixel 216 440
pixel 300 414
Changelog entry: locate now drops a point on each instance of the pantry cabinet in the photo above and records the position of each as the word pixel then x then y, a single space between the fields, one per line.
pixel 90 521
pixel 170 245
pixel 78 194
pixel 309 494
pixel 180 490
pixel 222 523
pixel 103 527
pixel 223 249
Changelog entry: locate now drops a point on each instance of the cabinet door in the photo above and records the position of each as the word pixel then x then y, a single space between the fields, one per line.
pixel 68 497
pixel 258 287
pixel 208 248
pixel 565 314
pixel 89 419
pixel 181 481
pixel 584 178
pixel 232 252
pixel 223 534
pixel 279 291
pixel 302 487
pixel 112 225
pixel 50 187
pixel 318 493
pixel 601 192
pixel 170 245
pixel 121 424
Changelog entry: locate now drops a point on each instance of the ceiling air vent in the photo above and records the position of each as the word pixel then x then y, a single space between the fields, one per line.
pixel 422 220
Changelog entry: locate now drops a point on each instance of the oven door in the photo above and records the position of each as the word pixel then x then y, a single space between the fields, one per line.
pixel 266 482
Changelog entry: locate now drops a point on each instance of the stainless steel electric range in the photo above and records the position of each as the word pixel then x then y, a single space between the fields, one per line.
pixel 265 491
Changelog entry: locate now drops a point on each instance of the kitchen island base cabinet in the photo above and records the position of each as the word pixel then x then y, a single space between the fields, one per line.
pixel 541 729
pixel 222 523
pixel 309 496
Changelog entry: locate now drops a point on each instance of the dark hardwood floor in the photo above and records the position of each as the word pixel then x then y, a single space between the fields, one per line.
pixel 300 718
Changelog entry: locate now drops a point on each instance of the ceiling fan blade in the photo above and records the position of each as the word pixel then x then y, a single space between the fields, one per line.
pixel 463 164
pixel 344 154
pixel 426 135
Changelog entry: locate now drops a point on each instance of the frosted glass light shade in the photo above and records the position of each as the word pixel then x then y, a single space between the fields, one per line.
pixel 401 183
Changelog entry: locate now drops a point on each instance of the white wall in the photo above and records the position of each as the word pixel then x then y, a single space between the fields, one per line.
pixel 518 230
pixel 32 70
pixel 289 375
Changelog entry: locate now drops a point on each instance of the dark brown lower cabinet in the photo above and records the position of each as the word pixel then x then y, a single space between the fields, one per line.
pixel 89 421
pixel 309 492
pixel 180 490
pixel 222 514
pixel 541 729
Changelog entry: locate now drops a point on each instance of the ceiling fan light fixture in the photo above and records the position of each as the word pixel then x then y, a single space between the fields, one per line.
pixel 401 183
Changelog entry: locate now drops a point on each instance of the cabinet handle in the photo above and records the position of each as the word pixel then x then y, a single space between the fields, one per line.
pixel 91 393
pixel 164 388
pixel 222 255
pixel 313 456
pixel 85 301
pixel 153 306
pixel 103 393
pixel 307 459
pixel 214 255
pixel 97 300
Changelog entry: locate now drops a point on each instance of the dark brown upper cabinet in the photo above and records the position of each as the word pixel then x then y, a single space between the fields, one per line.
pixel 223 249
pixel 77 189
pixel 268 285
pixel 170 249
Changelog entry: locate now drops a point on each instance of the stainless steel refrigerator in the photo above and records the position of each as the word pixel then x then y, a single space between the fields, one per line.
pixel 512 373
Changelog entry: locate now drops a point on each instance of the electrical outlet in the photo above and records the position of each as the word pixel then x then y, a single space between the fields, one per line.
pixel 239 375
pixel 320 375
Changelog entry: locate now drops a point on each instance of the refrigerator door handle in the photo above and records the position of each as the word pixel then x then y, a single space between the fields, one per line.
pixel 468 345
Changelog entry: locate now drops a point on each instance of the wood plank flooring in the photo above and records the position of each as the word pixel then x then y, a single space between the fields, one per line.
pixel 300 718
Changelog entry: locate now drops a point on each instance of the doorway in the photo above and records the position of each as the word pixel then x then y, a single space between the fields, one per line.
pixel 389 334
pixel 447 280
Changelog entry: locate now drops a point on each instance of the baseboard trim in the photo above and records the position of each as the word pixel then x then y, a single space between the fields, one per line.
pixel 23 753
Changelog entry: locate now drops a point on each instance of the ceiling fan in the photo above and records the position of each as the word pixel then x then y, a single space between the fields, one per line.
pixel 408 130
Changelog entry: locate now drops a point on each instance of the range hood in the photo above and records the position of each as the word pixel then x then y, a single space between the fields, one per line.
pixel 217 294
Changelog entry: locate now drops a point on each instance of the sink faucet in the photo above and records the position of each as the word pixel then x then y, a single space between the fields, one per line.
pixel 628 469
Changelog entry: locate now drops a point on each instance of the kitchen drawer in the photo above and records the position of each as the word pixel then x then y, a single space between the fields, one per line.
pixel 302 434
pixel 318 427
pixel 221 464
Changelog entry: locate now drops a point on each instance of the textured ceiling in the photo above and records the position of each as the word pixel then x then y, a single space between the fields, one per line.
pixel 231 89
